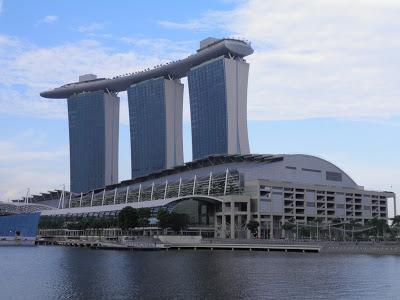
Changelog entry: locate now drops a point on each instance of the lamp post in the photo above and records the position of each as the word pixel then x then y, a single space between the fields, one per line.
pixel 329 229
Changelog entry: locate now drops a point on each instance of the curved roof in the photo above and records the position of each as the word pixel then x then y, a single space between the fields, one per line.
pixel 175 69
pixel 206 162
pixel 270 170
pixel 295 168
pixel 18 208
pixel 314 170
pixel 298 168
pixel 116 207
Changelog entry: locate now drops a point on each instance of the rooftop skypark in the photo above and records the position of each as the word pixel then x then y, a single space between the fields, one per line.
pixel 210 48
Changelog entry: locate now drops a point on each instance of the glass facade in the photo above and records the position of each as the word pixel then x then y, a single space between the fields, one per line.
pixel 24 225
pixel 208 108
pixel 87 136
pixel 200 213
pixel 147 117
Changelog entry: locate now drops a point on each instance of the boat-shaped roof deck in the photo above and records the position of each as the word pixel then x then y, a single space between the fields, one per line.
pixel 174 69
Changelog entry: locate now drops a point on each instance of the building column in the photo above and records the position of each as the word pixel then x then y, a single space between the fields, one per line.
pixel 240 220
pixel 232 219
pixel 215 224
pixel 248 234
pixel 271 232
pixel 223 224
pixel 258 219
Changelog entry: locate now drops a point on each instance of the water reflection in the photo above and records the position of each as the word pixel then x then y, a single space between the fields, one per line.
pixel 73 273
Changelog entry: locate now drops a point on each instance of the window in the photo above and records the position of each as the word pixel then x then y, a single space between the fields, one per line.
pixel 311 170
pixel 333 176
pixel 290 168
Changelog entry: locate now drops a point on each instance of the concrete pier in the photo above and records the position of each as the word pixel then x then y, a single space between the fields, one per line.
pixel 249 247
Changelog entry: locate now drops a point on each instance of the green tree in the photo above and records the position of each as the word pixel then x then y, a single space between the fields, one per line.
pixel 128 217
pixel 288 226
pixel 380 227
pixel 396 221
pixel 395 227
pixel 352 224
pixel 178 222
pixel 162 217
pixel 47 222
pixel 144 215
pixel 253 225
pixel 304 231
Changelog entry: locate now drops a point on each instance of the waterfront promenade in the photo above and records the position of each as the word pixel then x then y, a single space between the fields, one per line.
pixel 150 243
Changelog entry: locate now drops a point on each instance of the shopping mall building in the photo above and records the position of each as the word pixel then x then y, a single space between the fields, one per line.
pixel 222 193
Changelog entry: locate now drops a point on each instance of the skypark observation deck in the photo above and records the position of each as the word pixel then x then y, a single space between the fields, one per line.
pixel 175 69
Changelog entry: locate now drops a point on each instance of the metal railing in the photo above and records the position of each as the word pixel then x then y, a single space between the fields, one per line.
pixel 219 184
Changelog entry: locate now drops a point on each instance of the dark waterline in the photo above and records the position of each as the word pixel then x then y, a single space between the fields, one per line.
pixel 74 273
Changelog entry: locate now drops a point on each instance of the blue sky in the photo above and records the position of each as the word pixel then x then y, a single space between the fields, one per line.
pixel 323 78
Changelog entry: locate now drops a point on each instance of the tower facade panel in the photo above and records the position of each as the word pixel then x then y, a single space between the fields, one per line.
pixel 218 107
pixel 155 115
pixel 93 134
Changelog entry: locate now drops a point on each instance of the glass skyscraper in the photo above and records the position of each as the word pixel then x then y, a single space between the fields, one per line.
pixel 218 107
pixel 93 135
pixel 155 115
pixel 217 76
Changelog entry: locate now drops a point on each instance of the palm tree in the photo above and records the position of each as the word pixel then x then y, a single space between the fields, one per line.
pixel 253 227
pixel 381 226
pixel 396 220
pixel 395 227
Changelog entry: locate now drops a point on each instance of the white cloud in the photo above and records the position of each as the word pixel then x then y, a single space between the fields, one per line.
pixel 7 41
pixel 316 58
pixel 162 48
pixel 90 28
pixel 26 164
pixel 49 19
pixel 188 25
pixel 312 59
pixel 13 154
pixel 16 102
pixel 17 151
pixel 208 21
pixel 39 179
pixel 29 69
